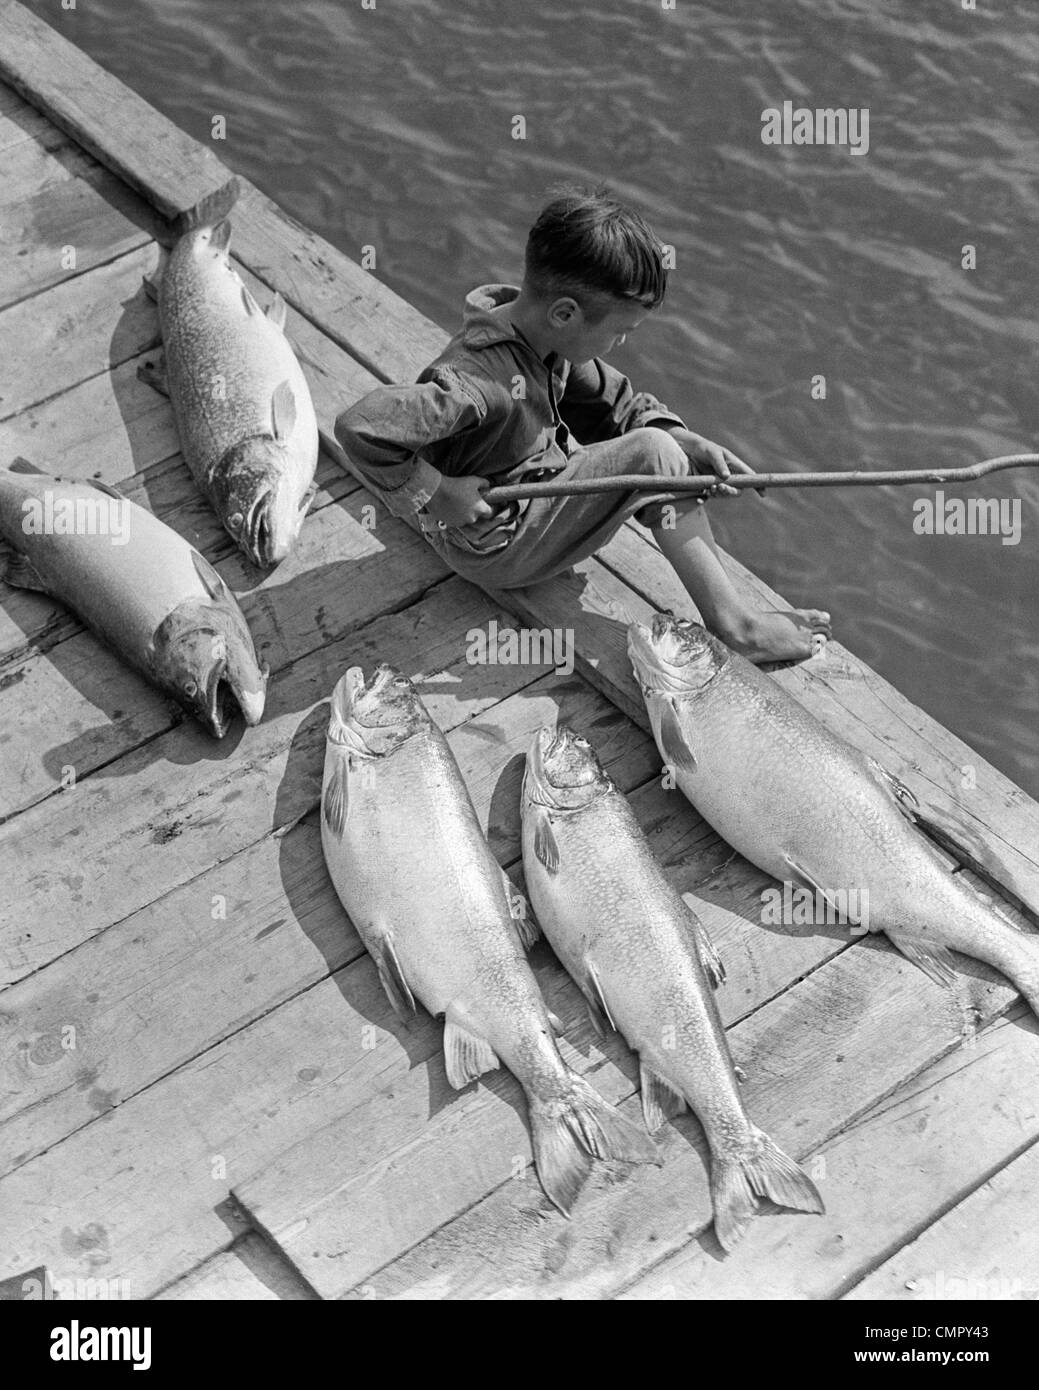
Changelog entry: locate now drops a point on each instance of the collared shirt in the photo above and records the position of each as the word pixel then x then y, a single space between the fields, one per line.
pixel 485 406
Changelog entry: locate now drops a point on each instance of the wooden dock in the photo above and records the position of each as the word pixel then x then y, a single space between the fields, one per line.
pixel 204 1091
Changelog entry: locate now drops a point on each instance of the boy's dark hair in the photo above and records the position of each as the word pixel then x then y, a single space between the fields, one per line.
pixel 588 241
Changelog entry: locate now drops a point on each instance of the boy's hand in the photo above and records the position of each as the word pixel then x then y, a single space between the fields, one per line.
pixel 458 501
pixel 712 456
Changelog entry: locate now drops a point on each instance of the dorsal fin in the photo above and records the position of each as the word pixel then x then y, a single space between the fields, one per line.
pixel 22 465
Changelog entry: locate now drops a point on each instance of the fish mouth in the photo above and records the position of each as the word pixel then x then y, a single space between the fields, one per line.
pixel 220 704
pixel 563 763
pixel 265 549
pixel 385 708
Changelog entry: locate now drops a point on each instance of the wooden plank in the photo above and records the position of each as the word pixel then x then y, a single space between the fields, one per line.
pixel 140 829
pixel 986 1247
pixel 126 133
pixel 20 121
pixel 816 1057
pixel 249 1270
pixel 95 217
pixel 77 329
pixel 158 1210
pixel 384 332
pixel 892 1172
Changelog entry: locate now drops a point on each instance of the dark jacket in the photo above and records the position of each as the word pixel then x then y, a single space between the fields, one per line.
pixel 487 405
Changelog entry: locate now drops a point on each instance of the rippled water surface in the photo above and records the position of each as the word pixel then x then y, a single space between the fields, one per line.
pixel 393 127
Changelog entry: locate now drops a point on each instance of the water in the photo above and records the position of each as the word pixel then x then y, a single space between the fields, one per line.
pixel 393 127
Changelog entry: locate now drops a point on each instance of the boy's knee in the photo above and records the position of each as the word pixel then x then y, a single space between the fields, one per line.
pixel 668 456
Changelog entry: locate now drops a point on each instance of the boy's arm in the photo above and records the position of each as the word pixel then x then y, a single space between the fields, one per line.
pixel 599 403
pixel 386 432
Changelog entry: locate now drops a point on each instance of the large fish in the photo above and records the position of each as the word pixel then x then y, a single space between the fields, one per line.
pixel 243 410
pixel 139 586
pixel 412 868
pixel 808 808
pixel 642 960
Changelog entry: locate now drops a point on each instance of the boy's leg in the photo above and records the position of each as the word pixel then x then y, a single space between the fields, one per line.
pixel 759 634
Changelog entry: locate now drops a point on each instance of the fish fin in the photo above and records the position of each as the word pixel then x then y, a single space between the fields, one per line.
pixel 106 488
pixel 392 978
pixel 335 803
pixel 251 306
pixel 741 1075
pixel 708 953
pixel 22 465
pixel 209 211
pixel 546 850
pixel 660 1100
pixel 20 573
pixel 283 410
pixel 308 497
pixel 763 1169
pixel 150 284
pixel 676 751
pixel 799 873
pixel 904 799
pixel 519 913
pixel 214 585
pixel 276 311
pixel 935 961
pixel 467 1054
pixel 558 1026
pixel 594 994
pixel 566 1138
pixel 154 375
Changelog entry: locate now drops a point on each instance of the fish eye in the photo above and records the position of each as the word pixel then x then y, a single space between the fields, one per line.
pixel 235 521
pixel 191 687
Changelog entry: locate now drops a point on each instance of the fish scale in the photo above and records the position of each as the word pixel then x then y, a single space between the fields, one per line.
pixel 808 808
pixel 411 865
pixel 243 410
pixel 642 959
pixel 151 597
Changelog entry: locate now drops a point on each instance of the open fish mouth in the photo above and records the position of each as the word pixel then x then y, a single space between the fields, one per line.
pixel 259 531
pixel 221 704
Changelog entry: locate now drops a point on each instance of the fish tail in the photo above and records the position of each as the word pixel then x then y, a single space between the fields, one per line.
pixel 568 1133
pixel 763 1169
pixel 210 210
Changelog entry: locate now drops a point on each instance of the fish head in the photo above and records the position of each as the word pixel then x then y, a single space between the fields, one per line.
pixel 203 655
pixel 563 771
pixel 375 717
pixel 256 492
pixel 673 655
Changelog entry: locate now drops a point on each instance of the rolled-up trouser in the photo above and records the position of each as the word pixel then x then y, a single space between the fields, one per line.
pixel 551 534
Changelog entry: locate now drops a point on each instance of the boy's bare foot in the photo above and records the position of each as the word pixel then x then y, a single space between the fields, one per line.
pixel 784 635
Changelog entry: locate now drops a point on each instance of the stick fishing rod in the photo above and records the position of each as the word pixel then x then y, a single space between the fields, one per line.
pixel 640 482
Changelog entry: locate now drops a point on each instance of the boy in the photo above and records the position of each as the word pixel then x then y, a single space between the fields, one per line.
pixel 521 393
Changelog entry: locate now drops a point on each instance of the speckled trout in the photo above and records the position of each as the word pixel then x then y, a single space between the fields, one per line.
pixel 809 809
pixel 243 410
pixel 412 868
pixel 645 965
pixel 140 587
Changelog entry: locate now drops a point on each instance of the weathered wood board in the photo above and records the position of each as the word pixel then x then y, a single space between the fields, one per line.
pixel 889 1174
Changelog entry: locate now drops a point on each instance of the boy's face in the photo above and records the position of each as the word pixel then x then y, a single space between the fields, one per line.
pixel 574 338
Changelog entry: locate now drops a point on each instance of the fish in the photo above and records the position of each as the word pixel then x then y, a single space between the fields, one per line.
pixel 138 586
pixel 413 870
pixel 243 410
pixel 646 967
pixel 806 807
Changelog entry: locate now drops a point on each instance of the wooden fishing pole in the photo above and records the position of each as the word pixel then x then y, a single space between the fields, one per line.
pixel 640 482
